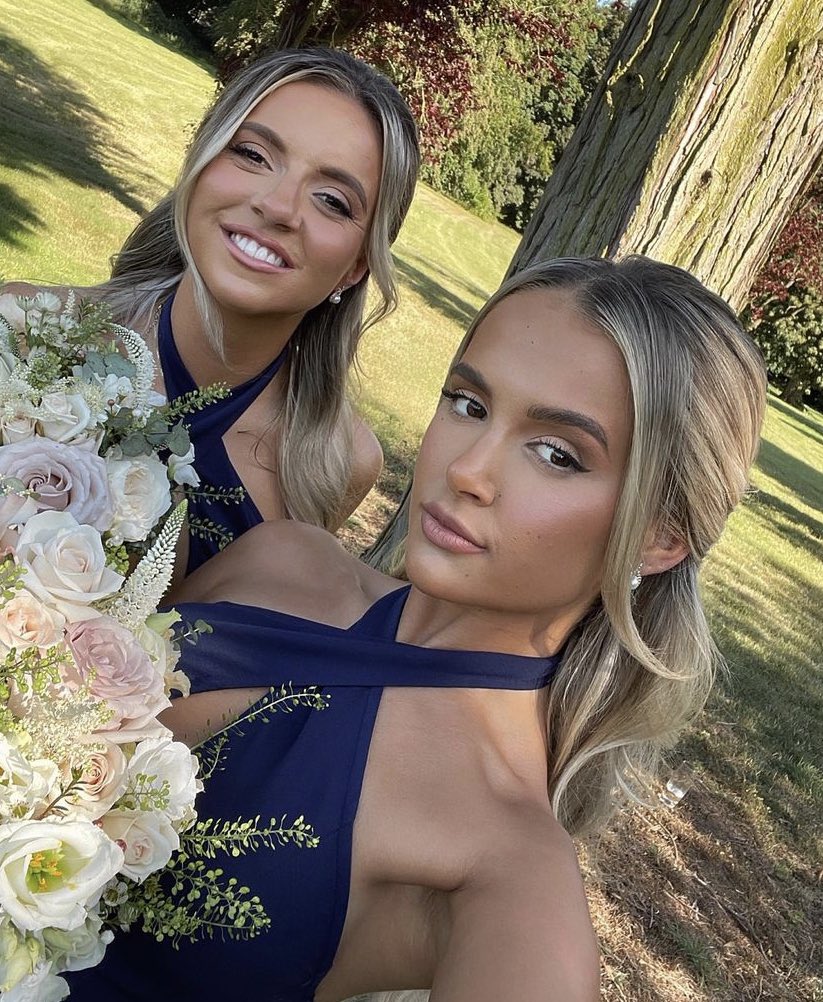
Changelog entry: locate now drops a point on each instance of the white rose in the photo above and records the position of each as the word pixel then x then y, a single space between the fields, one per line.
pixel 181 469
pixel 12 312
pixel 65 564
pixel 52 872
pixel 156 637
pixel 19 955
pixel 25 786
pixel 65 417
pixel 147 840
pixel 168 761
pixel 25 622
pixel 39 986
pixel 79 948
pixel 103 779
pixel 16 424
pixel 141 495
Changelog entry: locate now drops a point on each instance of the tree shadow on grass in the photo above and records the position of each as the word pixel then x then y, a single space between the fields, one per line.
pixel 795 475
pixel 47 127
pixel 435 294
pixel 815 428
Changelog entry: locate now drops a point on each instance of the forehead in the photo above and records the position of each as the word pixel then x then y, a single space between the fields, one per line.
pixel 313 117
pixel 537 346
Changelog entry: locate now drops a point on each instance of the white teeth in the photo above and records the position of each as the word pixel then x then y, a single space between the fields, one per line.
pixel 251 248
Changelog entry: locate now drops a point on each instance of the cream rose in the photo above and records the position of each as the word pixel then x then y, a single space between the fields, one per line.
pixel 119 671
pixel 141 494
pixel 171 762
pixel 65 564
pixel 146 838
pixel 63 478
pixel 65 417
pixel 26 621
pixel 103 779
pixel 51 872
pixel 16 425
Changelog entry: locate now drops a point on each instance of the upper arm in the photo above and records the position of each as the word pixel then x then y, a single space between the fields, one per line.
pixel 367 462
pixel 522 931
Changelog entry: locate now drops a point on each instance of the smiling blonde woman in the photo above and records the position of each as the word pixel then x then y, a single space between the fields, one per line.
pixel 253 272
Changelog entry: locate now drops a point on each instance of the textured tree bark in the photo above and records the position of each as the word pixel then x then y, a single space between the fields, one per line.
pixel 695 147
pixel 697 143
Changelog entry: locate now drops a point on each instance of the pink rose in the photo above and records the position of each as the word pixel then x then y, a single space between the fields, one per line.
pixel 118 670
pixel 63 477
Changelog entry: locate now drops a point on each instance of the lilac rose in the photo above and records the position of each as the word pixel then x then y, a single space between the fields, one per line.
pixel 63 478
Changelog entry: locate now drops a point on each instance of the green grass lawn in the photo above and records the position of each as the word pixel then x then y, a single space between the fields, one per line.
pixel 94 118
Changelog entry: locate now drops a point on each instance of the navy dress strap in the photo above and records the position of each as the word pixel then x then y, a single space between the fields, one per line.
pixel 365 654
pixel 213 522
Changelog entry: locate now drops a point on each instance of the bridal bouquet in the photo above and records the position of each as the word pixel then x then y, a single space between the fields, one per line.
pixel 94 791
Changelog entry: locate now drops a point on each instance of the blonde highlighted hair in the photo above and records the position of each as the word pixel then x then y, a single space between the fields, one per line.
pixel 640 665
pixel 315 424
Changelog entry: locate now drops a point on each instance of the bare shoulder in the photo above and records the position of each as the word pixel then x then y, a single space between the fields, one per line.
pixel 367 462
pixel 294 568
pixel 520 925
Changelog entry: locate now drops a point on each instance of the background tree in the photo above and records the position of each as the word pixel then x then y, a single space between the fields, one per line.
pixel 785 312
pixel 495 86
pixel 696 145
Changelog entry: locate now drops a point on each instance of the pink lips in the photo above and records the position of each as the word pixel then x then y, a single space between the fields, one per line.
pixel 446 532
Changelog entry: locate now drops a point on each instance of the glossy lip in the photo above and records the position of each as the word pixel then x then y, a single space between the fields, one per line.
pixel 246 231
pixel 446 532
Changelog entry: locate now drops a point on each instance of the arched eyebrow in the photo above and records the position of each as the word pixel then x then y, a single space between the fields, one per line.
pixel 540 412
pixel 332 173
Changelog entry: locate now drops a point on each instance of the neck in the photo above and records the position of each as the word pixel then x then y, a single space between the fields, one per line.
pixel 434 622
pixel 250 343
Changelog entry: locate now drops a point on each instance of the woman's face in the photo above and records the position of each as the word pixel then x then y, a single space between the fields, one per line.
pixel 520 470
pixel 279 219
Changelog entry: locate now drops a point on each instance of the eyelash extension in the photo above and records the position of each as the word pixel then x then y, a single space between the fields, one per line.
pixel 336 204
pixel 242 150
pixel 574 463
pixel 460 395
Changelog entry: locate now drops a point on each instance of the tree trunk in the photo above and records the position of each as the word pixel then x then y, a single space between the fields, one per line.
pixel 705 129
pixel 698 141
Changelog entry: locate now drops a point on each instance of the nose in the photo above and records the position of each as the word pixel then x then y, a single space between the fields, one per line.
pixel 278 202
pixel 473 473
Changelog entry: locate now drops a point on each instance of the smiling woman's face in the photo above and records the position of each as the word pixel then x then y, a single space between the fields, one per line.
pixel 280 218
pixel 520 470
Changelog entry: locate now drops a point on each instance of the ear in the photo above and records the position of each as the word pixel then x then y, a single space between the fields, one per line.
pixel 663 552
pixel 355 273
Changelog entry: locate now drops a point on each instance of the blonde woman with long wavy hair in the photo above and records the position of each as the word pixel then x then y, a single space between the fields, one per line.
pixel 253 272
pixel 594 432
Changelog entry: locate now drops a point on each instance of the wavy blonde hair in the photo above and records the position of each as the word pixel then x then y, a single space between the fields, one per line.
pixel 640 665
pixel 315 423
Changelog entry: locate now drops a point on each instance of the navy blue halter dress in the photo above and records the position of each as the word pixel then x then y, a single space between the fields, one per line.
pixel 211 461
pixel 308 762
